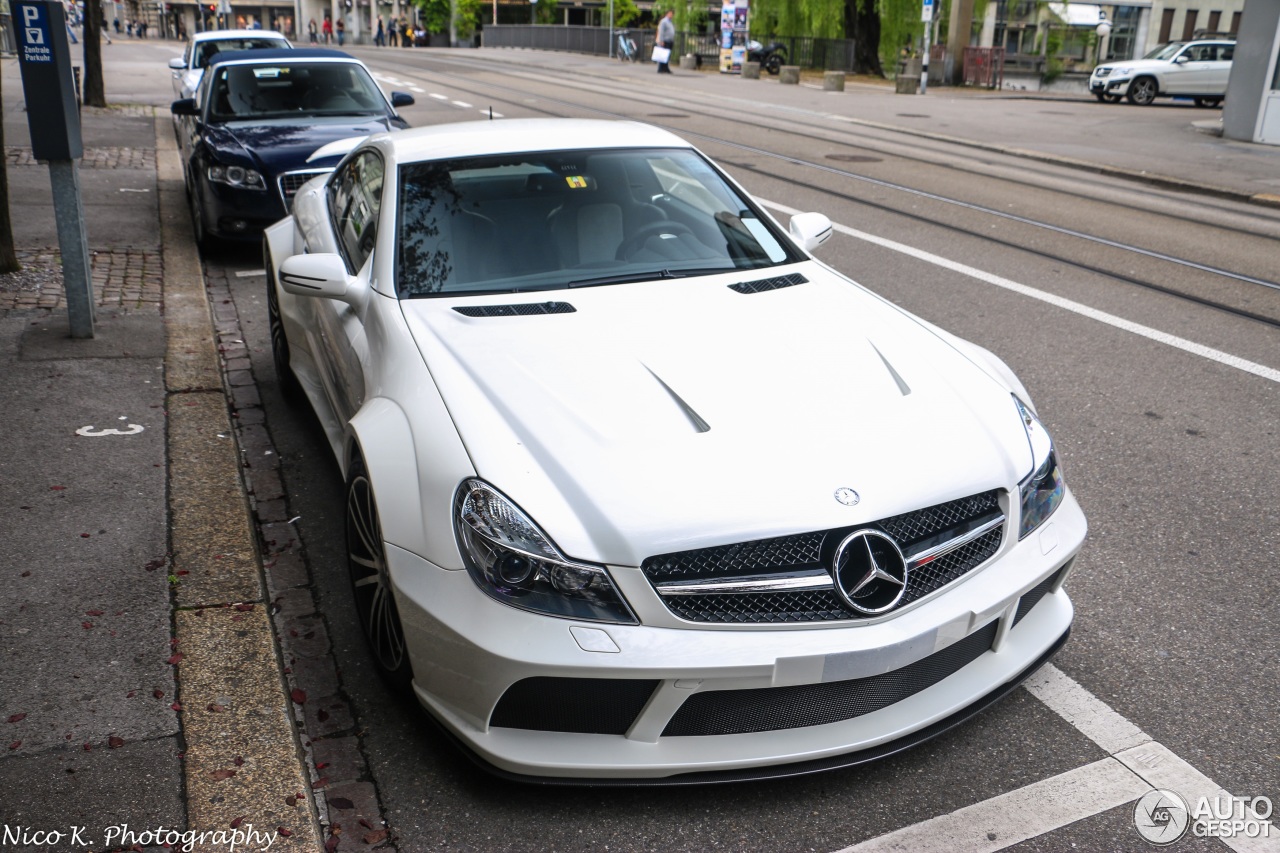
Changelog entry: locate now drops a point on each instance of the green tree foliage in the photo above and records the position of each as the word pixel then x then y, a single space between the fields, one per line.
pixel 691 16
pixel 818 18
pixel 468 15
pixel 434 15
pixel 624 12
pixel 900 27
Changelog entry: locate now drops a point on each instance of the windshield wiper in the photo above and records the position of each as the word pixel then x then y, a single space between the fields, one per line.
pixel 624 278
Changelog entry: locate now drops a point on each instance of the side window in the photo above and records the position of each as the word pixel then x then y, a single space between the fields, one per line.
pixel 1227 51
pixel 355 201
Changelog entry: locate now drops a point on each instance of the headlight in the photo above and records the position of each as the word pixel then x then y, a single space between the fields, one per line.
pixel 236 176
pixel 513 561
pixel 1042 490
pixel 1122 72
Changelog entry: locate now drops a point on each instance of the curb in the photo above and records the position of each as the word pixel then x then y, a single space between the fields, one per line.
pixel 243 768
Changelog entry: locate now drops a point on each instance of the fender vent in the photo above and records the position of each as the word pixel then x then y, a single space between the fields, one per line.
pixel 764 284
pixel 521 310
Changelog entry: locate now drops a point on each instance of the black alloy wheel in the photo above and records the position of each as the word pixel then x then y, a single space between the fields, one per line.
pixel 371 582
pixel 290 388
pixel 1143 91
pixel 773 64
pixel 1208 103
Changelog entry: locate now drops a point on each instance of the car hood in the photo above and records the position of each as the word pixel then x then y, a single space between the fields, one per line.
pixel 279 145
pixel 679 414
pixel 1135 65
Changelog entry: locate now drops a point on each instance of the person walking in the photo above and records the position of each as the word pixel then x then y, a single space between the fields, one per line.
pixel 666 38
pixel 341 29
pixel 393 34
pixel 311 32
pixel 327 29
pixel 380 35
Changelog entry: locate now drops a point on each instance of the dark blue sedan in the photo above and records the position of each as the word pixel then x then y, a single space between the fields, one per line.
pixel 253 133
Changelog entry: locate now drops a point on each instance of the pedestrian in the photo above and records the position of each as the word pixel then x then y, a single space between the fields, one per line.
pixel 407 30
pixel 311 32
pixel 380 36
pixel 327 28
pixel 106 31
pixel 116 23
pixel 667 39
pixel 341 28
pixel 393 35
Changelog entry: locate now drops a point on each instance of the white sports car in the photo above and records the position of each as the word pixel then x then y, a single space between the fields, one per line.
pixel 637 489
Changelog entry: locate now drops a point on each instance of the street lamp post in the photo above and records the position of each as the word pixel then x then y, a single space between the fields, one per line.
pixel 1103 30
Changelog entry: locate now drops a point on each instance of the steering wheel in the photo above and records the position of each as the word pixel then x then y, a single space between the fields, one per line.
pixel 666 226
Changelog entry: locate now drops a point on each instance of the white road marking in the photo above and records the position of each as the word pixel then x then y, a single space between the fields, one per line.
pixel 439 97
pixel 1014 817
pixel 486 112
pixel 91 432
pixel 417 89
pixel 462 104
pixel 250 273
pixel 1093 717
pixel 1083 310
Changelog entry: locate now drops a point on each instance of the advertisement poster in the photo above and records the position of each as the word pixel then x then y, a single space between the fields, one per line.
pixel 733 35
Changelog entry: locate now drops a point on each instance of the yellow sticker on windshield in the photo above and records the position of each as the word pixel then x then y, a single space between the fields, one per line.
pixel 576 182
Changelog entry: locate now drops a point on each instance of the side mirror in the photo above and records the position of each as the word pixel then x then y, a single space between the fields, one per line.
pixel 184 107
pixel 323 275
pixel 401 99
pixel 1183 59
pixel 178 63
pixel 810 230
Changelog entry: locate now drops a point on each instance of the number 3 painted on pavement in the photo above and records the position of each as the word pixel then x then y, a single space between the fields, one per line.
pixel 91 432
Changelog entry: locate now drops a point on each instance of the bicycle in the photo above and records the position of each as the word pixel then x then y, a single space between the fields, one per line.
pixel 627 51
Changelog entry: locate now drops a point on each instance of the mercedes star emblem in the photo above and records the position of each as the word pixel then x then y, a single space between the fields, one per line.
pixel 870 572
pixel 847 496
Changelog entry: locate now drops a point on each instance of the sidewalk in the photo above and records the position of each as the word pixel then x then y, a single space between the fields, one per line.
pixel 141 695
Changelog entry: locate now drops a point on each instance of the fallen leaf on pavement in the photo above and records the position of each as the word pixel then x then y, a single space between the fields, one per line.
pixel 298 695
pixel 341 803
pixel 17 718
pixel 220 775
pixel 376 837
pixel 114 742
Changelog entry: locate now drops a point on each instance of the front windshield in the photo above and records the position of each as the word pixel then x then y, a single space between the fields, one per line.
pixel 293 89
pixel 1166 51
pixel 516 223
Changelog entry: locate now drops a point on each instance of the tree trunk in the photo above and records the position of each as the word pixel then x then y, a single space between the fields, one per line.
pixel 8 257
pixel 862 25
pixel 95 94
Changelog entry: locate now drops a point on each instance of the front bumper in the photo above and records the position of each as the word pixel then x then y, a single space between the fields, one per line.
pixel 232 213
pixel 469 650
pixel 1109 85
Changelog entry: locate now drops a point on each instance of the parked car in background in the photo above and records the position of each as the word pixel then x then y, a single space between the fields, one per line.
pixel 251 135
pixel 1198 69
pixel 635 487
pixel 189 68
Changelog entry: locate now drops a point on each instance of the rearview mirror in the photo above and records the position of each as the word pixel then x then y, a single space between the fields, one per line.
pixel 323 275
pixel 184 107
pixel 810 230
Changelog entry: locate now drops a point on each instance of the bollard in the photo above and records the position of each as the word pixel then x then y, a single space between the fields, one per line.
pixel 751 71
pixel 790 75
pixel 908 84
pixel 689 62
pixel 833 81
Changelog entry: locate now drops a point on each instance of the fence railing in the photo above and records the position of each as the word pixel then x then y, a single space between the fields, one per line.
pixel 807 52
pixel 984 66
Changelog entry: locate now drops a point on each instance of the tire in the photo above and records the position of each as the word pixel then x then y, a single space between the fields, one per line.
pixel 1143 91
pixel 290 388
pixel 1113 99
pixel 1209 103
pixel 205 241
pixel 371 583
pixel 773 64
pixel 1104 98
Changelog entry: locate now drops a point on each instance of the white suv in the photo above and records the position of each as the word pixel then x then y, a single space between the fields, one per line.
pixel 1197 68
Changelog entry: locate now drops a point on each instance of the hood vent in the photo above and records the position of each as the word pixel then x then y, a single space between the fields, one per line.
pixel 764 284
pixel 521 310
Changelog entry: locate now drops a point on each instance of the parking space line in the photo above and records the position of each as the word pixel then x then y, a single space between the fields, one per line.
pixel 1090 715
pixel 1014 817
pixel 1066 304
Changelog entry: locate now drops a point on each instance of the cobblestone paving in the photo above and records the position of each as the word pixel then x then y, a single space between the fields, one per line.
pixel 122 278
pixel 132 110
pixel 94 158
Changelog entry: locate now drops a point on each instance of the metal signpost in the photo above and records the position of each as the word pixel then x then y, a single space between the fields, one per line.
pixel 53 116
pixel 926 15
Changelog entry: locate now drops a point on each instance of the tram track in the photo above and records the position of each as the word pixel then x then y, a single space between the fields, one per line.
pixel 561 107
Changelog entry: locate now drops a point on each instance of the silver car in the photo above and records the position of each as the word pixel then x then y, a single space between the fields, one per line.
pixel 1197 69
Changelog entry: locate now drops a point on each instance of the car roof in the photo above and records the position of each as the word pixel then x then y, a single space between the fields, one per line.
pixel 215 35
pixel 513 136
pixel 272 55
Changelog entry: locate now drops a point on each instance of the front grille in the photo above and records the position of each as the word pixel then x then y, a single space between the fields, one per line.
pixel 291 182
pixel 913 531
pixel 592 706
pixel 1102 72
pixel 729 712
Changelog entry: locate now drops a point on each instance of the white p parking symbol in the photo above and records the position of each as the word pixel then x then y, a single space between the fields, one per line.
pixel 31 17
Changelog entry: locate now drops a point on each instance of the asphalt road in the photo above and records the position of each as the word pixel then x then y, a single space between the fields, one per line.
pixel 1169 445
